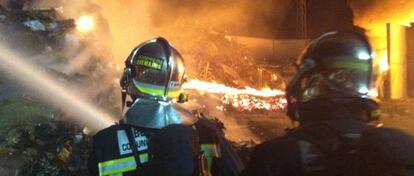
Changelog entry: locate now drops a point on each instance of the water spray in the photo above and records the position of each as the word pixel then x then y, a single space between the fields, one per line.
pixel 51 91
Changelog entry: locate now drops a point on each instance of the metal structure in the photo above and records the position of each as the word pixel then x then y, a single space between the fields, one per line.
pixel 301 21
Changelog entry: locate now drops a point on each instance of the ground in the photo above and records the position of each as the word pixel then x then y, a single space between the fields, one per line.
pixel 244 129
pixel 261 127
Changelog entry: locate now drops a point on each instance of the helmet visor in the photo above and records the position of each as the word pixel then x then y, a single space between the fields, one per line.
pixel 150 70
pixel 340 76
pixel 350 77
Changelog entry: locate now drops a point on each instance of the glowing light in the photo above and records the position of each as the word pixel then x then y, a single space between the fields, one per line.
pixel 212 87
pixel 363 56
pixel 85 23
pixel 383 63
pixel 373 93
pixel 363 90
pixel 248 103
pixel 247 99
pixel 406 24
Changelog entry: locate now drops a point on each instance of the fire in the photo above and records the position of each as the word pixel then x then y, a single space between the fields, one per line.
pixel 247 99
pixel 212 87
pixel 386 22
pixel 374 18
pixel 242 102
pixel 85 23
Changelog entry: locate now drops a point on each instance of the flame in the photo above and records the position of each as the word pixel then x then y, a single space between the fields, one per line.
pixel 247 99
pixel 374 18
pixel 240 102
pixel 212 87
pixel 85 23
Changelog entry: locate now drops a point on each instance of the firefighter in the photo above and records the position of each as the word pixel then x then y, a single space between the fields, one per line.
pixel 331 99
pixel 153 75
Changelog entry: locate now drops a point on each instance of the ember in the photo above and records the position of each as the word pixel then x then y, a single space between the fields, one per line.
pixel 245 100
pixel 212 87
pixel 248 103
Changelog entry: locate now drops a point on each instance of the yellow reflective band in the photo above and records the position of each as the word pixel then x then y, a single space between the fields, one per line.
pixel 158 92
pixel 143 157
pixel 361 66
pixel 211 150
pixel 174 94
pixel 375 114
pixel 117 174
pixel 117 166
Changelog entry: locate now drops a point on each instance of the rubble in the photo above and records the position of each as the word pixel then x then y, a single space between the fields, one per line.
pixel 37 140
pixel 51 148
pixel 213 55
pixel 34 30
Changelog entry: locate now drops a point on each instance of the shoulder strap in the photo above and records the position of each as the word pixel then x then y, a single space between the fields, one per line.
pixel 134 147
pixel 336 150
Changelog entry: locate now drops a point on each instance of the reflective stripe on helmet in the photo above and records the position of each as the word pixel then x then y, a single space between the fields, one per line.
pixel 150 90
pixel 361 66
pixel 117 166
pixel 154 91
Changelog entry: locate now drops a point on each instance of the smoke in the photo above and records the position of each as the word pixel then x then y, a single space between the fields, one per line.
pixel 131 22
pixel 383 11
pixel 51 90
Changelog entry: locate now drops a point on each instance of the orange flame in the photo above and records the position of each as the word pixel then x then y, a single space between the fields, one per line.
pixel 212 87
pixel 247 99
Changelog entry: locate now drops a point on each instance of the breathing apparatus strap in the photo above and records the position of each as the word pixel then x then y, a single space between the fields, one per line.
pixel 133 145
pixel 123 100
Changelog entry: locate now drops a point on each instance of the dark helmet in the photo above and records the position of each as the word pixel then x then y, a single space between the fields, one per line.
pixel 154 69
pixel 153 76
pixel 337 69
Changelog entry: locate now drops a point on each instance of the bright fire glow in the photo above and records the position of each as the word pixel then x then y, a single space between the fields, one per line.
pixel 241 102
pixel 245 100
pixel 383 63
pixel 212 87
pixel 85 23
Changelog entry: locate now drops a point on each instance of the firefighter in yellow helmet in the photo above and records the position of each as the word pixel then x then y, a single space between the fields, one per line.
pixel 160 126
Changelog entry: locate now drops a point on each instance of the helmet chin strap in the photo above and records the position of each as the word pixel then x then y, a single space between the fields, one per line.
pixel 125 81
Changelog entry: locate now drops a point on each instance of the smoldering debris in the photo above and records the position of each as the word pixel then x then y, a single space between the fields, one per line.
pixel 49 148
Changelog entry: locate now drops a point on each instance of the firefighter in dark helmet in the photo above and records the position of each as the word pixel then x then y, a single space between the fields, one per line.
pixel 153 75
pixel 331 96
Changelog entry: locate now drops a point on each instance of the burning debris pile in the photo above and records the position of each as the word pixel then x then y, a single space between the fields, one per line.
pixel 49 148
pixel 18 29
pixel 66 49
pixel 212 55
pixel 248 103
pixel 242 100
pixel 225 67
pixel 67 54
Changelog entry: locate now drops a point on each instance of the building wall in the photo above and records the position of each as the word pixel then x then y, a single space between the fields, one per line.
pixel 410 61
